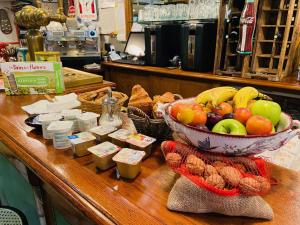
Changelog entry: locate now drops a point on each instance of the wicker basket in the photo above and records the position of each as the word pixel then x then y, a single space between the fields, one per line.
pixel 92 101
pixel 156 128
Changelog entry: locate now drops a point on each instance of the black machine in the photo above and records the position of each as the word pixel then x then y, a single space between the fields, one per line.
pixel 162 43
pixel 193 43
pixel 134 51
pixel 198 43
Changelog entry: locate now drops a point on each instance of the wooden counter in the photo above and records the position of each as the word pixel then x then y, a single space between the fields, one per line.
pixel 104 199
pixel 157 80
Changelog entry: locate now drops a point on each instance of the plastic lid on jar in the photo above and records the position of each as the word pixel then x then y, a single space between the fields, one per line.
pixel 121 134
pixel 140 140
pixel 87 116
pixel 60 125
pixel 104 149
pixel 49 117
pixel 71 112
pixel 129 156
pixel 103 129
pixel 81 138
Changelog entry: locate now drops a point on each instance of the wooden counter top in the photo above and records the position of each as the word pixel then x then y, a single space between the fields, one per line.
pixel 289 83
pixel 105 199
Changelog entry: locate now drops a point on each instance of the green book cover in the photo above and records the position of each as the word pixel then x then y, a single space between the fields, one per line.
pixel 21 78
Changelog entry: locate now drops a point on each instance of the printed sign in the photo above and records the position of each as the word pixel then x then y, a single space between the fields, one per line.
pixel 87 9
pixel 21 78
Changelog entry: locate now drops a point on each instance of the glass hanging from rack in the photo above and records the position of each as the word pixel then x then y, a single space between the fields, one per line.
pixel 194 10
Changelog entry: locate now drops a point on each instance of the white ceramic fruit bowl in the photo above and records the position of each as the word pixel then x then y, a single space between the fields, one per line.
pixel 233 144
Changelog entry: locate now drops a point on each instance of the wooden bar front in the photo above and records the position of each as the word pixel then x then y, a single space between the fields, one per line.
pixel 157 80
pixel 103 199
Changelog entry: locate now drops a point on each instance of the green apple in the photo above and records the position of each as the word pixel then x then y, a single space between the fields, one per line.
pixel 268 109
pixel 230 126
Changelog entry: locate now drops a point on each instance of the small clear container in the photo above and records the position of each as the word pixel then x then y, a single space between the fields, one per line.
pixel 47 56
pixel 22 54
pixel 71 115
pixel 61 130
pixel 141 142
pixel 102 132
pixel 120 137
pixel 46 119
pixel 103 154
pixel 129 162
pixel 81 142
pixel 87 121
pixel 110 111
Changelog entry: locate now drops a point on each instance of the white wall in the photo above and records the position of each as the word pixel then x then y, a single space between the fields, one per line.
pixel 112 19
pixel 12 37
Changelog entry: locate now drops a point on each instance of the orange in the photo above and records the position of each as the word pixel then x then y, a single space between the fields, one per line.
pixel 200 118
pixel 258 125
pixel 176 108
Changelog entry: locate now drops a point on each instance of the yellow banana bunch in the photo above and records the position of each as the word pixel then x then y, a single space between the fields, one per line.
pixel 244 95
pixel 216 95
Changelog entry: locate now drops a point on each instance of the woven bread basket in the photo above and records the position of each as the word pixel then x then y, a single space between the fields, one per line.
pixel 92 101
pixel 156 128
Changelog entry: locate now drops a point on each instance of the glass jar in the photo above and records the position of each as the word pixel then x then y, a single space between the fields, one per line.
pixel 110 111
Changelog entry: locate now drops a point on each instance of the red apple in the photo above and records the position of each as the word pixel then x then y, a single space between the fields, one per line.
pixel 223 109
pixel 258 125
pixel 242 114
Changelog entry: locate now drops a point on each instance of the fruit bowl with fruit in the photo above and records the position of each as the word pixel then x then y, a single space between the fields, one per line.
pixel 230 121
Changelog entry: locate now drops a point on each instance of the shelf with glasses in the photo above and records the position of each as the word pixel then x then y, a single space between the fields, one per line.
pixel 162 2
pixel 176 21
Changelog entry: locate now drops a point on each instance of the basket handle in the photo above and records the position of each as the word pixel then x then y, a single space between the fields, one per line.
pixel 134 111
pixel 178 97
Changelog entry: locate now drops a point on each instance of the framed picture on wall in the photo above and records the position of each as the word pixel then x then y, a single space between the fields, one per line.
pixel 86 9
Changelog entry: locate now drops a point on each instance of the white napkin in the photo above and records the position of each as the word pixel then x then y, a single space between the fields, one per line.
pixel 60 103
pixel 38 107
pixel 66 98
pixel 287 156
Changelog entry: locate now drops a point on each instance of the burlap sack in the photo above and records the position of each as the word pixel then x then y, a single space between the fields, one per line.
pixel 187 197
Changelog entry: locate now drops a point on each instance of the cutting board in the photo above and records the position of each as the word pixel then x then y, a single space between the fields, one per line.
pixel 75 78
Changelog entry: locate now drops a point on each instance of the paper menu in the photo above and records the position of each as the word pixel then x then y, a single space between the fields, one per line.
pixel 22 78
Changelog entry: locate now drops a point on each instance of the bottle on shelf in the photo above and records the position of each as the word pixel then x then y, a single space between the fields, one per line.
pixel 247 28
pixel 278 36
pixel 275 4
pixel 235 21
pixel 234 35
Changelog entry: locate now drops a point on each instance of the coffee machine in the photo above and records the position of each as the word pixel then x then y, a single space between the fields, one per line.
pixel 73 43
pixel 162 44
pixel 198 41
